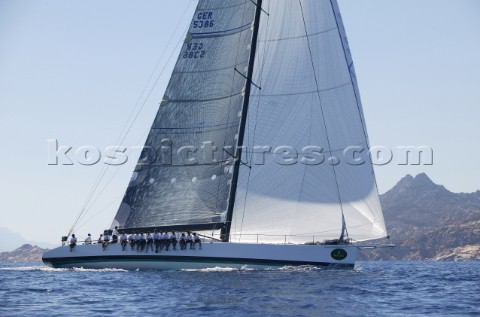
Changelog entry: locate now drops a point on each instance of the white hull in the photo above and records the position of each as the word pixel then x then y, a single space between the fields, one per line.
pixel 232 255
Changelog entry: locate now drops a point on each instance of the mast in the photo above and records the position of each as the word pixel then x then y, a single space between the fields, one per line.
pixel 225 233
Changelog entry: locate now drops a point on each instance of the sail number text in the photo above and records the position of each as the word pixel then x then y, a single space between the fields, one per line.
pixel 204 20
pixel 194 50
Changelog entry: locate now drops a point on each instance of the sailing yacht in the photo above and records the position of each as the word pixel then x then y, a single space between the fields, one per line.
pixel 259 145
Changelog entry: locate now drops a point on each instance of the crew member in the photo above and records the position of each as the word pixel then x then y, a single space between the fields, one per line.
pixel 183 242
pixel 196 239
pixel 115 235
pixel 106 241
pixel 123 241
pixel 88 239
pixel 143 241
pixel 73 242
pixel 156 240
pixel 131 239
pixel 190 240
pixel 149 241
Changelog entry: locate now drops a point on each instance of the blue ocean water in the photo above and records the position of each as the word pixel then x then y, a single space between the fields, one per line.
pixel 372 288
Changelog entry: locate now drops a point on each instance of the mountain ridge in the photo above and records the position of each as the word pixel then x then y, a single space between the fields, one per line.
pixel 427 221
pixel 24 254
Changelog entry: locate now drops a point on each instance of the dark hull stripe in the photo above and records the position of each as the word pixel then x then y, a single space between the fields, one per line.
pixel 59 262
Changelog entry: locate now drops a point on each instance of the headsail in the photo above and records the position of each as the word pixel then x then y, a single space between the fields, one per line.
pixel 309 97
pixel 183 177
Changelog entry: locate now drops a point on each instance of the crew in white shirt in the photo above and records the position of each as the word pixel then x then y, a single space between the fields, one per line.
pixel 123 241
pixel 149 241
pixel 106 241
pixel 131 239
pixel 115 235
pixel 196 239
pixel 88 239
pixel 190 240
pixel 156 240
pixel 183 242
pixel 142 241
pixel 73 242
pixel 137 241
pixel 172 239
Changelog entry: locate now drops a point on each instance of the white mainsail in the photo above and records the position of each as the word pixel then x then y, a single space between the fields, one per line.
pixel 308 97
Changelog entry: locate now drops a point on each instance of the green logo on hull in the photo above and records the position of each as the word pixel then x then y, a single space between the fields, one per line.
pixel 339 254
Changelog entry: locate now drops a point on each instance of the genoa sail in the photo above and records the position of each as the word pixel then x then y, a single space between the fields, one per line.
pixel 299 183
pixel 183 176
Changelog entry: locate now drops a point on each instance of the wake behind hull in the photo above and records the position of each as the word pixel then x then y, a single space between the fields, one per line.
pixel 212 255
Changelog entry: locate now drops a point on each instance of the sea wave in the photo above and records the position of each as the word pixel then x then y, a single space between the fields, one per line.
pixel 49 269
pixel 218 269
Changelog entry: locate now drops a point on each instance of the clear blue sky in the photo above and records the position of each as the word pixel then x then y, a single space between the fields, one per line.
pixel 74 70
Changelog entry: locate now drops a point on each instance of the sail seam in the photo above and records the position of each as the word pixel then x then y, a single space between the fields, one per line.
pixel 221 33
pixel 197 131
pixel 198 127
pixel 299 37
pixel 306 92
pixel 190 165
pixel 210 70
pixel 221 8
pixel 204 100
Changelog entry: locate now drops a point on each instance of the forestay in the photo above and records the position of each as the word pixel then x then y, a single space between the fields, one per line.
pixel 309 97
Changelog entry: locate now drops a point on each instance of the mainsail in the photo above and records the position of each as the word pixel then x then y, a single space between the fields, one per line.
pixel 184 174
pixel 304 105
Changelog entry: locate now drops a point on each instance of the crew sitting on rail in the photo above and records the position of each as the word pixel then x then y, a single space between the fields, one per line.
pixel 196 239
pixel 173 240
pixel 149 241
pixel 100 239
pixel 115 235
pixel 73 242
pixel 88 239
pixel 156 240
pixel 183 242
pixel 143 241
pixel 131 239
pixel 163 240
pixel 123 241
pixel 190 240
pixel 137 241
pixel 106 240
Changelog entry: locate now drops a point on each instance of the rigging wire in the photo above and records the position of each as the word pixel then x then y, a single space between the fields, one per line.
pixel 323 117
pixel 99 212
pixel 105 168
